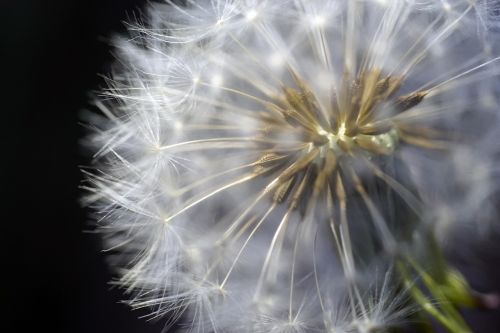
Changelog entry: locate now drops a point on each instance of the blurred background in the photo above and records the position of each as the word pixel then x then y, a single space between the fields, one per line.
pixel 53 51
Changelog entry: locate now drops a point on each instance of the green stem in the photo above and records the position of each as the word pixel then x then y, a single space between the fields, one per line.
pixel 436 291
pixel 447 319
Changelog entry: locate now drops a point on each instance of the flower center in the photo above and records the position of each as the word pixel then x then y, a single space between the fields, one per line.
pixel 349 125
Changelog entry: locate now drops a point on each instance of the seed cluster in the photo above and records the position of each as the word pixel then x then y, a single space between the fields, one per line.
pixel 349 127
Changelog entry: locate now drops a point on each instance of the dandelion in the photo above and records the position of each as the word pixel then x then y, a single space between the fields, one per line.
pixel 259 162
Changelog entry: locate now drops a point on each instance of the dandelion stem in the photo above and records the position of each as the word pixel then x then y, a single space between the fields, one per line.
pixel 449 320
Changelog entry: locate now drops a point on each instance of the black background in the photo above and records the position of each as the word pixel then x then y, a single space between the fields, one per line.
pixel 53 51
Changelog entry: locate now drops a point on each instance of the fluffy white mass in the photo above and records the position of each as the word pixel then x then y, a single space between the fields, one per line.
pixel 261 165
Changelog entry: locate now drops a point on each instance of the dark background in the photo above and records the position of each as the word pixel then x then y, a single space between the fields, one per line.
pixel 53 51
pixel 58 279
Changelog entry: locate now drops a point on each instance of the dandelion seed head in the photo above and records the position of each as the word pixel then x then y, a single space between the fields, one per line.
pixel 446 5
pixel 257 153
pixel 318 20
pixel 252 14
